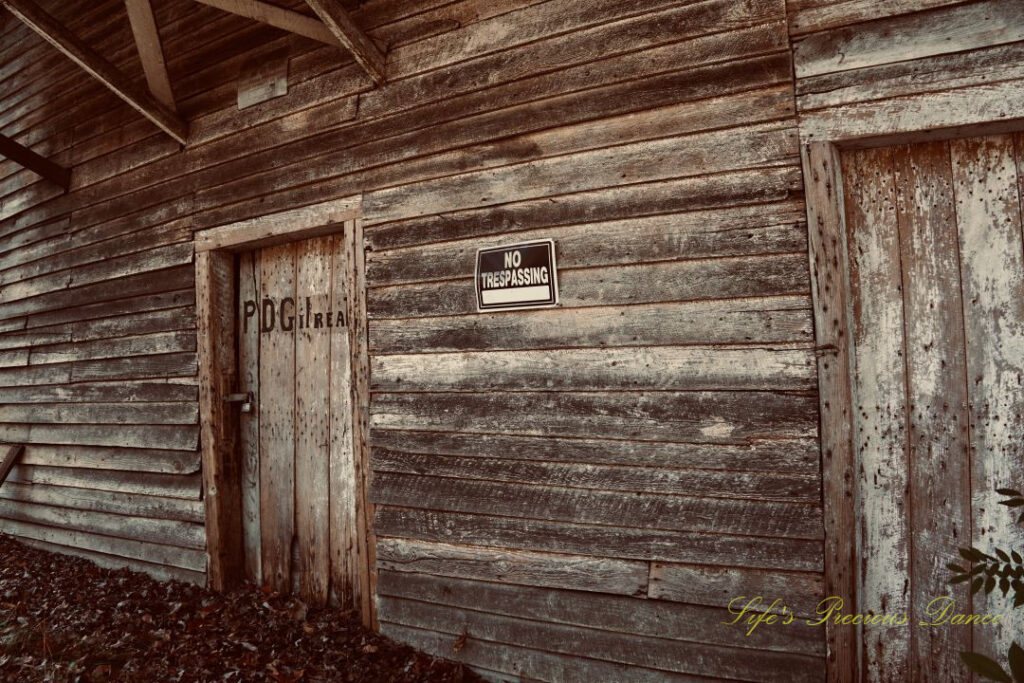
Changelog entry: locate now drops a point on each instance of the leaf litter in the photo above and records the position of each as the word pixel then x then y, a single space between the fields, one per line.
pixel 65 619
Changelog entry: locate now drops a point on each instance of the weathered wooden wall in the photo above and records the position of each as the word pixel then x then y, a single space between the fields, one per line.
pixel 581 490
pixel 624 464
pixel 865 68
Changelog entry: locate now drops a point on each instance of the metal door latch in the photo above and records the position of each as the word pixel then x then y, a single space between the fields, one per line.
pixel 245 399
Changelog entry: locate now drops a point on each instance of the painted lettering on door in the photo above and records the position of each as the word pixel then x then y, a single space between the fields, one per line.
pixel 287 315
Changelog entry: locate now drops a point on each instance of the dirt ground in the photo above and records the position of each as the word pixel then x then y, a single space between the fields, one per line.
pixel 65 619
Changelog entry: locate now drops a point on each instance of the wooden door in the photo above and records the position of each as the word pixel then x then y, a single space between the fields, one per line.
pixel 936 275
pixel 299 481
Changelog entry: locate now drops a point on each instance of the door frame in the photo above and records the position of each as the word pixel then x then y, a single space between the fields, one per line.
pixel 820 150
pixel 215 250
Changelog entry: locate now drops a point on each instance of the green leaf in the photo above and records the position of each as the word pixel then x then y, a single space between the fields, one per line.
pixel 1009 492
pixel 1017 662
pixel 985 667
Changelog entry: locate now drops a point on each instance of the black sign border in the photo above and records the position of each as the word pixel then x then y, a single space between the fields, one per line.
pixel 552 302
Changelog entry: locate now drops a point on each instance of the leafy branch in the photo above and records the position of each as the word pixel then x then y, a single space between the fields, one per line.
pixel 1015 500
pixel 1005 570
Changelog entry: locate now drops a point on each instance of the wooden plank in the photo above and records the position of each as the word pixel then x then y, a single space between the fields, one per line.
pixel 912 36
pixel 74 48
pixel 731 321
pixel 556 53
pixel 728 150
pixel 101 413
pixel 280 227
pixel 348 33
pixel 714 484
pixel 798 593
pixel 987 177
pixel 101 272
pixel 941 72
pixel 278 17
pixel 355 288
pixel 808 16
pixel 277 425
pixel 444 151
pixel 721 231
pixel 142 345
pixel 128 390
pixel 667 367
pixel 158 572
pixel 313 276
pixel 141 482
pixel 249 435
pixel 641 651
pixel 163 531
pixel 827 251
pixel 620 577
pixel 640 510
pixel 718 278
pixel 133 505
pixel 937 382
pixel 347 549
pixel 915 117
pixel 151 54
pixel 164 555
pixel 11 454
pixel 36 163
pixel 776 456
pixel 879 391
pixel 164 437
pixel 701 416
pixel 618 614
pixel 534 664
pixel 106 458
pixel 602 540
pixel 215 282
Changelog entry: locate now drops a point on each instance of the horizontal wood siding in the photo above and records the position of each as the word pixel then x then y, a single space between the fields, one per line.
pixel 554 488
pixel 868 69
pixel 559 494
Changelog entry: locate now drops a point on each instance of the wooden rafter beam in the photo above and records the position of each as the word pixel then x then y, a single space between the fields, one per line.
pixel 23 156
pixel 351 36
pixel 54 33
pixel 151 54
pixel 278 17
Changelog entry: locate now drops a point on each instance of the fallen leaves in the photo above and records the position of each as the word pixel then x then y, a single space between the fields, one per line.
pixel 65 619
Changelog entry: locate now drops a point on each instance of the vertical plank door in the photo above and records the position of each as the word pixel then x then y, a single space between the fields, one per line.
pixel 988 181
pixel 879 388
pixel 300 481
pixel 276 406
pixel 936 269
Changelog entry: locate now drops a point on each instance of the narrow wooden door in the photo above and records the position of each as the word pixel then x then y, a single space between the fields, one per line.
pixel 936 269
pixel 299 479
